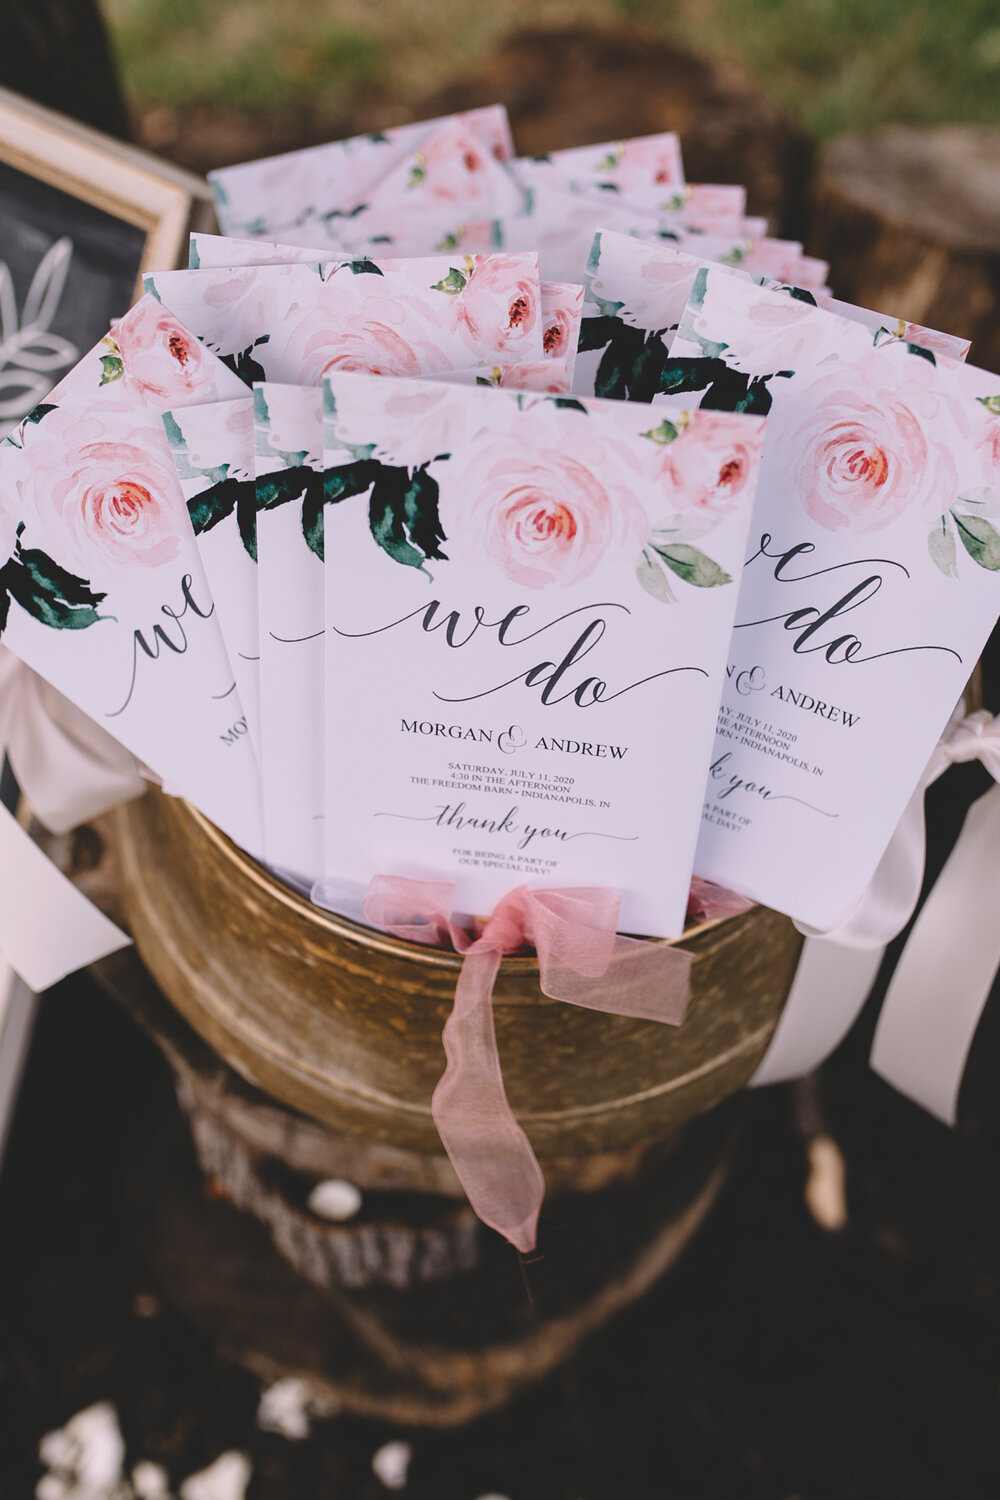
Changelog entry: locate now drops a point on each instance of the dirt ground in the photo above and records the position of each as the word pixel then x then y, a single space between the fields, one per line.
pixel 777 1361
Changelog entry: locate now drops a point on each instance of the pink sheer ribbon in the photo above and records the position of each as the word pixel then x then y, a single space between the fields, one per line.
pixel 582 960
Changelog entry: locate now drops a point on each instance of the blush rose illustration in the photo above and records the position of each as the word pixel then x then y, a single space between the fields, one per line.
pixel 452 166
pixel 544 515
pixel 162 360
pixel 865 452
pixel 367 341
pixel 649 163
pixel 498 308
pixel 117 502
pixel 708 470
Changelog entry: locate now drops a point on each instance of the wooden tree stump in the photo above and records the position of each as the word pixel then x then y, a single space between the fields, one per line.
pixel 909 220
pixel 572 85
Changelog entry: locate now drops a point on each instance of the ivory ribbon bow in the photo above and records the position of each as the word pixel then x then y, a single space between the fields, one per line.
pixel 926 1025
pixel 70 770
pixel 582 960
pixel 946 971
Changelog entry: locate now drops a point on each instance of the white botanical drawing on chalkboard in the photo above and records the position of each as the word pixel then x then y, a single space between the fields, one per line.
pixel 31 355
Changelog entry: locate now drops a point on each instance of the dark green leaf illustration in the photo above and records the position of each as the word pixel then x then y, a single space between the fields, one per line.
pixel 921 352
pixel 334 485
pixel 364 267
pixel 992 404
pixel 244 365
pixel 980 539
pixel 46 591
pixel 403 515
pixel 40 411
pixel 215 503
pixel 568 403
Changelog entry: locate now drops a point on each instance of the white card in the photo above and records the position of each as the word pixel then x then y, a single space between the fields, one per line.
pixel 870 588
pixel 105 595
pixel 292 323
pixel 288 422
pixel 212 448
pixel 635 296
pixel 327 183
pixel 527 621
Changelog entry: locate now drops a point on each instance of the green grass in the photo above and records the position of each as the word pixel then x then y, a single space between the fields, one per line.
pixel 836 64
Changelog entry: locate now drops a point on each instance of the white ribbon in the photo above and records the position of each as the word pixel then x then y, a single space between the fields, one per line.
pixel 838 968
pixel 944 977
pixel 70 770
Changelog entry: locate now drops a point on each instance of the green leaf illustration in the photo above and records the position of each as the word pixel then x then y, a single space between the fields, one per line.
pixel 418 174
pixel 450 242
pixel 403 515
pixel 40 411
pixel 664 434
pixel 215 503
pixel 364 267
pixel 47 592
pixel 244 365
pixel 569 403
pixel 451 284
pixel 941 546
pixel 921 352
pixel 985 500
pixel 980 539
pixel 334 485
pixel 692 565
pixel 653 579
pixel 992 404
pixel 112 368
pixel 610 162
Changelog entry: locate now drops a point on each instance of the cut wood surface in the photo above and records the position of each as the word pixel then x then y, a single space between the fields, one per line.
pixel 909 220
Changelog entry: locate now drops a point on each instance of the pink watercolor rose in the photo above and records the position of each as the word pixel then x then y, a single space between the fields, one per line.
pixel 943 344
pixel 561 310
pixel 498 309
pixel 162 359
pixel 651 162
pixel 867 451
pixel 452 166
pixel 116 501
pixel 708 470
pixel 371 335
pixel 543 514
pixel 708 204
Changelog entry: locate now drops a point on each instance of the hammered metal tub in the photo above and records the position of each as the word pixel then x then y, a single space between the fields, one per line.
pixel 344 1024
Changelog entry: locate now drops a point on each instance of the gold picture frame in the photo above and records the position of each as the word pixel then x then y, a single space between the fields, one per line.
pixel 164 201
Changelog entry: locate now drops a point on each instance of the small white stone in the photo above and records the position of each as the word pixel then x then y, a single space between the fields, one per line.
pixel 391 1464
pixel 51 1487
pixel 150 1481
pixel 89 1449
pixel 335 1200
pixel 226 1479
pixel 284 1408
pixel 826 1185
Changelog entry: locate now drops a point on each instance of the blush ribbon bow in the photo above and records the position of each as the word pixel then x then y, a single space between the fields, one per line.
pixel 582 960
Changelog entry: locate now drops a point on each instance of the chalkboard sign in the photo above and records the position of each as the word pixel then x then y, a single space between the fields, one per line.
pixel 82 218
